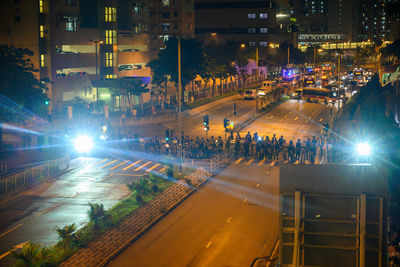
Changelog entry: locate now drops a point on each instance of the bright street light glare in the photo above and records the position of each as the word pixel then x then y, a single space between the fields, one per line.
pixel 363 149
pixel 83 143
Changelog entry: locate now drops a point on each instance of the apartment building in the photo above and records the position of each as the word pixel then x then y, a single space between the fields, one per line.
pixel 76 42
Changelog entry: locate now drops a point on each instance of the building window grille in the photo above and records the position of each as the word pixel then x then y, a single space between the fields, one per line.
pixel 41 31
pixel 263 15
pixel 42 60
pixel 41 6
pixel 251 16
pixel 110 14
pixel 111 36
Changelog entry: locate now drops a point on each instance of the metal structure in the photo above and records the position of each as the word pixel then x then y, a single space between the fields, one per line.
pixel 332 215
pixel 31 175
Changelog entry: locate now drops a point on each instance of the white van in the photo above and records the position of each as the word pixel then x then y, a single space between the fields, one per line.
pixel 268 85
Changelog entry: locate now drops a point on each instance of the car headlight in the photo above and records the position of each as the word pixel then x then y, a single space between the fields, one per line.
pixel 83 143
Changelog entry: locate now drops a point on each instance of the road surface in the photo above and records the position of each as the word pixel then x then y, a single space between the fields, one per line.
pixel 228 222
pixel 34 214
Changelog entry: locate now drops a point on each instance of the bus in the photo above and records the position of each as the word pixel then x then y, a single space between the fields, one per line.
pixel 309 80
pixel 318 95
pixel 268 85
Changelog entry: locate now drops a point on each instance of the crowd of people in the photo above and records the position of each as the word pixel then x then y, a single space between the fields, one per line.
pixel 249 146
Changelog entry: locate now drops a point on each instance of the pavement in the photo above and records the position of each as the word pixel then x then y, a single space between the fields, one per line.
pixel 228 222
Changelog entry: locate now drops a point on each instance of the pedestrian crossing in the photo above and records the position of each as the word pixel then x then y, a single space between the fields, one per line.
pixel 271 163
pixel 141 165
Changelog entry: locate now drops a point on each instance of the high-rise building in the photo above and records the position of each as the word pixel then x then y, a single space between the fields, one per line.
pixel 169 18
pixel 370 20
pixel 249 22
pixel 78 41
pixel 311 15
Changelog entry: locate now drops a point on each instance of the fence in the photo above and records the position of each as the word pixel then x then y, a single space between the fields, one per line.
pixel 30 175
pixel 218 162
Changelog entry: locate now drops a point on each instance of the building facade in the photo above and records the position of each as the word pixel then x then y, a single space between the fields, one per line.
pixel 169 18
pixel 76 42
pixel 249 22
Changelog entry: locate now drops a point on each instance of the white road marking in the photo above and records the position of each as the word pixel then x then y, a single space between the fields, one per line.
pixel 99 162
pixel 111 162
pixel 261 162
pixel 12 229
pixel 238 161
pixel 208 244
pixel 249 162
pixel 296 118
pixel 229 219
pixel 122 163
pixel 144 165
pixel 153 167
pixel 163 169
pixel 286 115
pixel 14 249
pixel 245 200
pixel 257 185
pixel 127 168
pixel 49 209
pixel 321 119
pixel 272 164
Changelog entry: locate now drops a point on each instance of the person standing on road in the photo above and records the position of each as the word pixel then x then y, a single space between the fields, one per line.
pixel 298 149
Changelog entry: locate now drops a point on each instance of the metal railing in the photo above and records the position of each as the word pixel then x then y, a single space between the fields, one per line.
pixel 218 161
pixel 15 180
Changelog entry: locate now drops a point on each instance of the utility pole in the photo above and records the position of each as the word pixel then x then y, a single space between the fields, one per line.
pixel 180 104
pixel 288 56
pixel 96 43
pixel 315 54
pixel 339 79
pixel 257 75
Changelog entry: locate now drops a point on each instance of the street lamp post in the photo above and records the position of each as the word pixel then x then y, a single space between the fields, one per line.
pixel 180 105
pixel 257 76
pixel 96 43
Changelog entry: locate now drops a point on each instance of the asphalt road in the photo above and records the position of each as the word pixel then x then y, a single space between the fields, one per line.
pixel 193 126
pixel 34 214
pixel 234 218
pixel 228 222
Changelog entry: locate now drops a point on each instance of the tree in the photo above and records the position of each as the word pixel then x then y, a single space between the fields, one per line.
pixel 192 58
pixel 97 214
pixel 392 51
pixel 31 255
pixel 131 88
pixel 67 235
pixel 18 84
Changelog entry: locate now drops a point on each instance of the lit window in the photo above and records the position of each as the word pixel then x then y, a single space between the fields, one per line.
pixel 41 30
pixel 109 59
pixel 263 15
pixel 165 27
pixel 41 8
pixel 251 16
pixel 265 44
pixel 111 36
pixel 252 43
pixel 251 30
pixel 263 30
pixel 42 60
pixel 110 14
pixel 70 23
pixel 188 26
pixel 70 2
pixel 111 76
pixel 165 2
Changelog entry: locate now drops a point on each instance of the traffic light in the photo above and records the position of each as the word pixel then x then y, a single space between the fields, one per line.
pixel 226 123
pixel 167 134
pixel 47 102
pixel 206 120
pixel 206 128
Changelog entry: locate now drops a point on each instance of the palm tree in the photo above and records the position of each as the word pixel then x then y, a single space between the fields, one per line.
pixel 97 214
pixel 66 235
pixel 31 255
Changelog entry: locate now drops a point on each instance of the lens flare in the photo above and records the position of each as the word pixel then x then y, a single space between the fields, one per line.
pixel 363 149
pixel 83 143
